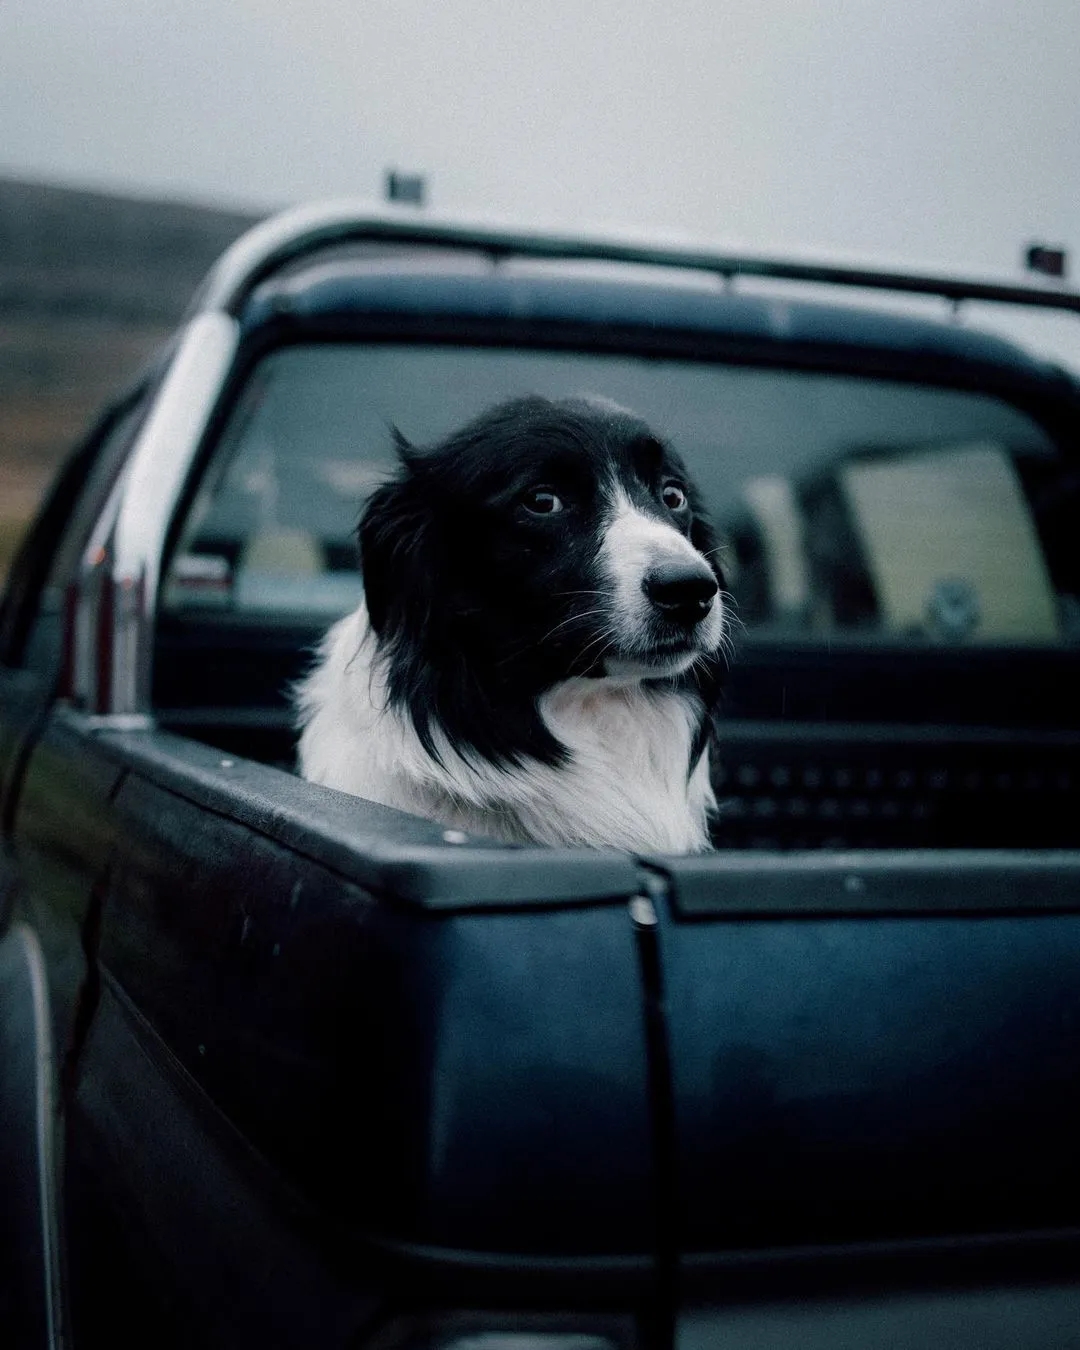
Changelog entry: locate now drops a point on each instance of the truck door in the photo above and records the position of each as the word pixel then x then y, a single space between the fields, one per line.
pixel 52 851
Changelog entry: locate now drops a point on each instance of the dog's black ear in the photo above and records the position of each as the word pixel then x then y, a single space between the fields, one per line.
pixel 408 455
pixel 399 559
pixel 397 546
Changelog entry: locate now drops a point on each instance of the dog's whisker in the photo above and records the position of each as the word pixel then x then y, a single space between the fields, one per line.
pixel 574 618
pixel 530 644
pixel 607 636
pixel 600 640
pixel 731 610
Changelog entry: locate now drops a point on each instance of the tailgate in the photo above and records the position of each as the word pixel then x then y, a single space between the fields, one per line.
pixel 872 1049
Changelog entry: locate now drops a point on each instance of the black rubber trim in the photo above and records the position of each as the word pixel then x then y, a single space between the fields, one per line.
pixel 659 1318
pixel 398 856
pixel 915 881
pixel 953 1261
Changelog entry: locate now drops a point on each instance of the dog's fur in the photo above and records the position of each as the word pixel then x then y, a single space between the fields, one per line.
pixel 538 654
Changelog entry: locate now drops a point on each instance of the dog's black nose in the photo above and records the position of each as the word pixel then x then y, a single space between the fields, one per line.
pixel 681 591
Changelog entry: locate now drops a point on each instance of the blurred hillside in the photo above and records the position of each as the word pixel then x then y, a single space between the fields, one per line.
pixel 90 284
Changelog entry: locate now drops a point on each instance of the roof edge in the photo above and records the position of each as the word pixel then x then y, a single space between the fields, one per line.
pixel 284 237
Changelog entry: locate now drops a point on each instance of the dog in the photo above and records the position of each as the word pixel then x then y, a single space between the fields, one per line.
pixel 539 651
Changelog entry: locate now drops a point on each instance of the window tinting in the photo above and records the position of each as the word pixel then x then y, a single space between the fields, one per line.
pixel 851 507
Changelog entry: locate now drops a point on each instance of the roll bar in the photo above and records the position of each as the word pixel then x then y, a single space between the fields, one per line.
pixel 284 238
pixel 115 600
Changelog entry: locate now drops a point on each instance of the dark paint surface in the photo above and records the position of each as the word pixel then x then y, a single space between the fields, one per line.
pixel 872 1079
pixel 473 1081
pixel 64 837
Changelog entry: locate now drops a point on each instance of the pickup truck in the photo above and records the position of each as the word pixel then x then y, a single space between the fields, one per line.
pixel 280 1067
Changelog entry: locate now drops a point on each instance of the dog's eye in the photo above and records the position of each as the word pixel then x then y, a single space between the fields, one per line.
pixel 542 502
pixel 674 497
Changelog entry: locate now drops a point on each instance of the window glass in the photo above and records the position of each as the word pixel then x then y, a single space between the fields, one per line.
pixel 851 507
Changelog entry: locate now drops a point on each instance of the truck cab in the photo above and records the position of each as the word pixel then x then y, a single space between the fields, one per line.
pixel 295 1068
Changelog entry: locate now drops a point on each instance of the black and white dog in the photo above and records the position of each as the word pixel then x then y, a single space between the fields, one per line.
pixel 539 650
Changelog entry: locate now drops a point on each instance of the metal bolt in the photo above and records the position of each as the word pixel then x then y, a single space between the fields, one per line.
pixel 643 911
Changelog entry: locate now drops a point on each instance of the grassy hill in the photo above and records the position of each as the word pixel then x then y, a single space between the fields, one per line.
pixel 90 284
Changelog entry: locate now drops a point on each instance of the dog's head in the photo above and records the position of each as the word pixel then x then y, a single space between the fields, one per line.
pixel 543 541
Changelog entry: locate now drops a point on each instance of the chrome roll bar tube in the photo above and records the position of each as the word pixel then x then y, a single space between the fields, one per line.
pixel 116 596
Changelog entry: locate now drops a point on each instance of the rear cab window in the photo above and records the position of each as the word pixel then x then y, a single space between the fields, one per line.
pixel 880 535
pixel 851 506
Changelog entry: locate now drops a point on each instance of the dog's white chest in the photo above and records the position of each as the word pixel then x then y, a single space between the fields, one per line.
pixel 624 784
pixel 627 776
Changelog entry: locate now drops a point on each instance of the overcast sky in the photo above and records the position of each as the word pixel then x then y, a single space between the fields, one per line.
pixel 942 131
